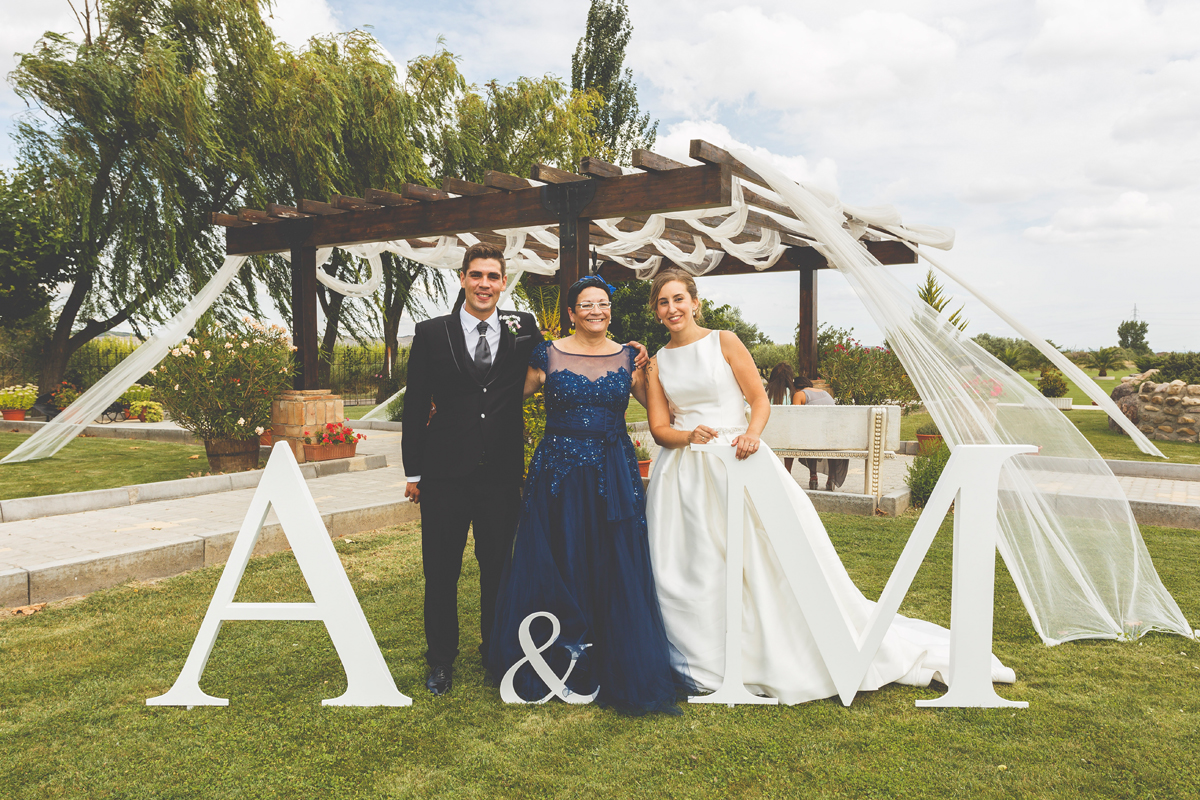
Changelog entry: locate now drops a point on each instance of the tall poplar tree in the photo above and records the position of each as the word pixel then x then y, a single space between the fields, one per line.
pixel 597 64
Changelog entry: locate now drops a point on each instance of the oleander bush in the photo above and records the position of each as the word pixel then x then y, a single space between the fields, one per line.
pixel 219 382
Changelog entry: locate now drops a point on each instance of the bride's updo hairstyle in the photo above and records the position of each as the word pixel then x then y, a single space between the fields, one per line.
pixel 674 274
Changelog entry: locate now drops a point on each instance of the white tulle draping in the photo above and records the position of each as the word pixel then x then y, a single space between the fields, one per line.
pixel 52 436
pixel 1068 535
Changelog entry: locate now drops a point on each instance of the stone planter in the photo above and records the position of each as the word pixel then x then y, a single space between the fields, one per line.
pixel 1061 403
pixel 325 452
pixel 231 455
pixel 14 414
pixel 644 468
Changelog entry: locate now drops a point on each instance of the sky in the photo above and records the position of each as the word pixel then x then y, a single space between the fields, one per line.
pixel 1059 138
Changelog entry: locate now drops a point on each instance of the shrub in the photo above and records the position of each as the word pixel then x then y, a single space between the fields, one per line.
pixel 152 410
pixel 923 474
pixel 1179 367
pixel 137 393
pixel 20 398
pixel 1052 383
pixel 861 375
pixel 766 356
pixel 64 395
pixel 395 409
pixel 219 383
pixel 929 429
pixel 641 451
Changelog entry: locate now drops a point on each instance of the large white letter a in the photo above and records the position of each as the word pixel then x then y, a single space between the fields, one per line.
pixel 282 487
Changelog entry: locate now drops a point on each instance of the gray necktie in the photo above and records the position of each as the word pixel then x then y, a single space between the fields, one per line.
pixel 483 353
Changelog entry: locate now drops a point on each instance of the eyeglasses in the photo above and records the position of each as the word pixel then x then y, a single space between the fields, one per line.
pixel 603 306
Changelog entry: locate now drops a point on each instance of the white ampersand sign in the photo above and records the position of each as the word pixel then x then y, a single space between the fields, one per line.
pixel 533 656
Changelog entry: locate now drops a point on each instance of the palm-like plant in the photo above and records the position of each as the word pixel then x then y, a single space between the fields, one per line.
pixel 931 293
pixel 1105 358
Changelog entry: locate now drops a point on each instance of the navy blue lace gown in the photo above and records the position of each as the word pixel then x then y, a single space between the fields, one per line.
pixel 581 550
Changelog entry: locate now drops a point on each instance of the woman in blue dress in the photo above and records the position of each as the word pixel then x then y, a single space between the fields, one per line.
pixel 581 551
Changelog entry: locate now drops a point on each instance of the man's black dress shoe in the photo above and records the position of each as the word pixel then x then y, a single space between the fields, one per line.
pixel 440 679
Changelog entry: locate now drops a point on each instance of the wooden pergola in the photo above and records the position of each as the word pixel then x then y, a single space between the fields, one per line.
pixel 568 201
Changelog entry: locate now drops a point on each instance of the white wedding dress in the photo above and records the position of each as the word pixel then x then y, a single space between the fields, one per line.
pixel 686 515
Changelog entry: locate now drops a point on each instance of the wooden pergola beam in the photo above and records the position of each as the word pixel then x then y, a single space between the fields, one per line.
pixel 643 193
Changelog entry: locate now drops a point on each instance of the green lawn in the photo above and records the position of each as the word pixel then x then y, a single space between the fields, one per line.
pixel 357 412
pixel 1093 425
pixel 1074 392
pixel 88 463
pixel 1106 719
pixel 636 412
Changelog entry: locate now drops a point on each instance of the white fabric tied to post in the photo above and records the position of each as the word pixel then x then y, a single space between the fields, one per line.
pixel 55 434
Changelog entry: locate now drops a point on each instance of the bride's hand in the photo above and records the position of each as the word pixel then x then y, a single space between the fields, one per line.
pixel 746 444
pixel 702 435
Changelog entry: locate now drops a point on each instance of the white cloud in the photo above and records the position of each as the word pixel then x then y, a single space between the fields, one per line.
pixel 297 21
pixel 1130 214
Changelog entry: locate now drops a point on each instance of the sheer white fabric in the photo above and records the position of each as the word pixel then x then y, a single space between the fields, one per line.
pixel 1068 535
pixel 70 423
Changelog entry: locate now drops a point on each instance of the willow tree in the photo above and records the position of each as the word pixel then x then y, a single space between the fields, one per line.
pixel 148 122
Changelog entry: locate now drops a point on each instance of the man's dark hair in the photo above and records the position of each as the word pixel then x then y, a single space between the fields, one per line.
pixel 483 250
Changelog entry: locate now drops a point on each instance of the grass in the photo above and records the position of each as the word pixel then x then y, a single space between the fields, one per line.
pixel 636 411
pixel 89 463
pixel 357 412
pixel 1106 719
pixel 1093 425
pixel 1074 392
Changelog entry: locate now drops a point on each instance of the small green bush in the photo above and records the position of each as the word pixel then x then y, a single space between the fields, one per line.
pixel 923 474
pixel 929 429
pixel 1179 367
pixel 395 409
pixel 1052 383
pixel 152 410
pixel 137 393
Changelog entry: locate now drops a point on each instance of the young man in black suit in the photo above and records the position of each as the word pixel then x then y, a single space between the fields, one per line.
pixel 464 463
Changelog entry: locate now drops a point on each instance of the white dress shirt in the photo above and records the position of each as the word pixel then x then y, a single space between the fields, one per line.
pixel 471 331
pixel 471 335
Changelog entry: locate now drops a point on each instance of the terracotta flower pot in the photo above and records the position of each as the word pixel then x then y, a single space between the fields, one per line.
pixel 929 442
pixel 266 438
pixel 644 468
pixel 325 452
pixel 231 455
pixel 14 414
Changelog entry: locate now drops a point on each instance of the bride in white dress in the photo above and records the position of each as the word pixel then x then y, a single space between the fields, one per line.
pixel 698 388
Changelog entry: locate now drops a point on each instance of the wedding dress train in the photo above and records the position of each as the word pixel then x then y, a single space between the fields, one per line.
pixel 686 514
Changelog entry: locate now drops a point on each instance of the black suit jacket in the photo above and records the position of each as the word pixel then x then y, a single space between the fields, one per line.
pixel 478 417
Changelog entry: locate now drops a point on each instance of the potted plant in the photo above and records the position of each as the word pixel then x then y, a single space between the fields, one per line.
pixel 335 440
pixel 1053 387
pixel 16 400
pixel 219 383
pixel 64 395
pixel 643 457
pixel 146 410
pixel 929 438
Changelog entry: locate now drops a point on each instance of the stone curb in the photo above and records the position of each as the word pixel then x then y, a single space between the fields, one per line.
pixel 1166 515
pixel 53 505
pixel 175 435
pixel 842 502
pixel 374 425
pixel 1155 469
pixel 88 573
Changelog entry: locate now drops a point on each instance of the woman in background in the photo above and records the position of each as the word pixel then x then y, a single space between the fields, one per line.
pixel 783 389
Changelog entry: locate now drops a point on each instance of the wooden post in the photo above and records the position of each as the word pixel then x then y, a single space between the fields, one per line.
pixel 806 345
pixel 572 265
pixel 304 315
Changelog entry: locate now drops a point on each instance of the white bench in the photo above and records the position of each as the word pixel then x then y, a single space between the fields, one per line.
pixel 868 432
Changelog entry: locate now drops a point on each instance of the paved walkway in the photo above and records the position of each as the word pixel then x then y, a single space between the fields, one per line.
pixel 54 557
pixel 69 554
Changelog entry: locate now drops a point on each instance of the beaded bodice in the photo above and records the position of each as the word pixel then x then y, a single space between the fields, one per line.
pixel 586 398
